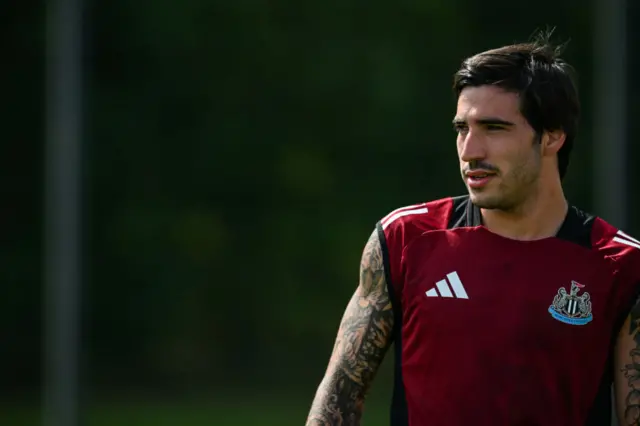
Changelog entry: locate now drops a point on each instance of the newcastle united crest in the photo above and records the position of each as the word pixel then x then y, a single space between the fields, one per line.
pixel 571 308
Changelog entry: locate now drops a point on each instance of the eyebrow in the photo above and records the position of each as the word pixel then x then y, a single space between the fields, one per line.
pixel 485 122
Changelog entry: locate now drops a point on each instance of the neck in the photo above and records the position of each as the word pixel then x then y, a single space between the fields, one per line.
pixel 540 216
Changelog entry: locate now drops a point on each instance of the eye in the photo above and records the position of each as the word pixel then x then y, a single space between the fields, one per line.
pixel 495 127
pixel 460 128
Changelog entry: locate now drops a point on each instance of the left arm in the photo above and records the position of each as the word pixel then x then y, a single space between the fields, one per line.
pixel 627 370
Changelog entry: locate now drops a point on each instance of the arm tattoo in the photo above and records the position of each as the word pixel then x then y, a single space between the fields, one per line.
pixel 632 371
pixel 363 339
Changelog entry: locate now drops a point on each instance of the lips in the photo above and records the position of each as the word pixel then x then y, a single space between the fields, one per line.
pixel 478 178
pixel 479 173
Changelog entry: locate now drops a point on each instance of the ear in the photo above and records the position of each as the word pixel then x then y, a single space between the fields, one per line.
pixel 552 142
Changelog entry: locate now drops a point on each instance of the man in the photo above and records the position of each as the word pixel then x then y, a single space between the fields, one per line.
pixel 507 306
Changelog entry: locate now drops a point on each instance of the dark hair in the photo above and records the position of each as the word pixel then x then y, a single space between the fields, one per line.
pixel 545 83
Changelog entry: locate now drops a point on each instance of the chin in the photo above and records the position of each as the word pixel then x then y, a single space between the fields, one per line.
pixel 486 201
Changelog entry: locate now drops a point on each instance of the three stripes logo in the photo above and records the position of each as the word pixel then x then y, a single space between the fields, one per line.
pixel 449 287
pixel 623 238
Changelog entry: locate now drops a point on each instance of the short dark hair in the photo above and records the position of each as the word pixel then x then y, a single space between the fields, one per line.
pixel 544 81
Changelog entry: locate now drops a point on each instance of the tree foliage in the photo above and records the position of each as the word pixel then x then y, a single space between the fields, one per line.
pixel 238 154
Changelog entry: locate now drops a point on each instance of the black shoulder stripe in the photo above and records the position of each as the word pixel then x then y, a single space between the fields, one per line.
pixel 577 227
pixel 464 213
pixel 399 413
pixel 458 218
pixel 387 268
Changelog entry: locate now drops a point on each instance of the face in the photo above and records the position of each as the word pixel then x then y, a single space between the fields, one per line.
pixel 500 156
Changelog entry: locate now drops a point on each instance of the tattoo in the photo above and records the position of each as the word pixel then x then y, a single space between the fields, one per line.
pixel 632 371
pixel 363 339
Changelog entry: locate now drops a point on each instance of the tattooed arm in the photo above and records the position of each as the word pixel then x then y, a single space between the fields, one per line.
pixel 627 366
pixel 363 339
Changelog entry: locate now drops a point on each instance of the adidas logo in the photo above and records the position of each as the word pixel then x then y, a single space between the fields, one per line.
pixel 442 288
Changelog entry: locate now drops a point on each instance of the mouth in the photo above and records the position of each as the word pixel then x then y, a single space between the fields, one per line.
pixel 478 178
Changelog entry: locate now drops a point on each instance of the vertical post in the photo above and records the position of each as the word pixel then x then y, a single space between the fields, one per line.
pixel 610 120
pixel 62 212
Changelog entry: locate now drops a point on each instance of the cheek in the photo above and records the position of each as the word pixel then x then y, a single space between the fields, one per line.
pixel 521 162
pixel 507 151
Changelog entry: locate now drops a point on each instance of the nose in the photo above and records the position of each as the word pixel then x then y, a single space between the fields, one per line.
pixel 470 147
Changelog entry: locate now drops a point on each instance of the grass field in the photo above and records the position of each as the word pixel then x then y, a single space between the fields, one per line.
pixel 263 411
pixel 240 407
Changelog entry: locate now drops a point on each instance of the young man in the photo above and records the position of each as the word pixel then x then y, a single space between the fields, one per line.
pixel 507 306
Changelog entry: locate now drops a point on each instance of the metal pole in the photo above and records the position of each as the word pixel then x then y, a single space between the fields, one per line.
pixel 610 121
pixel 62 213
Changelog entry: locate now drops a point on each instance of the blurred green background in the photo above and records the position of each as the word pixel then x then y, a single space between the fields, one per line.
pixel 237 156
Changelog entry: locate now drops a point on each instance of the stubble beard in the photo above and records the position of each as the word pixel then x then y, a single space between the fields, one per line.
pixel 514 189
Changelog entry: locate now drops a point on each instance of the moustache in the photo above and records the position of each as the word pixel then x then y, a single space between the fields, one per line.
pixel 479 165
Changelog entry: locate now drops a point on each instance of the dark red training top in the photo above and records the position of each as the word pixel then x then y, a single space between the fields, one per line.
pixel 494 331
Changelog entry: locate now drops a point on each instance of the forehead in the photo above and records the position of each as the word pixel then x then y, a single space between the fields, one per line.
pixel 488 101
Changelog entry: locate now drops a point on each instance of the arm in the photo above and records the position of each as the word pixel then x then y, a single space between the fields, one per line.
pixel 363 339
pixel 627 370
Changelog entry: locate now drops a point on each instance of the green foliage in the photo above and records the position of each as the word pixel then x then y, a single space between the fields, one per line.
pixel 238 156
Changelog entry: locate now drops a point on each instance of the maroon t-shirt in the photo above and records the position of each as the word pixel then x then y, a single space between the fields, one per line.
pixel 494 331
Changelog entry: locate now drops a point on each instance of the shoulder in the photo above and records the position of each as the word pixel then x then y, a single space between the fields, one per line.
pixel 616 246
pixel 428 215
pixel 598 235
pixel 619 251
pixel 404 224
pixel 622 252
